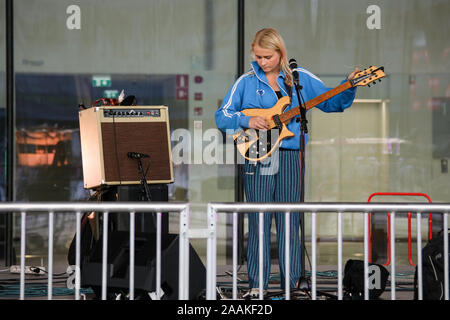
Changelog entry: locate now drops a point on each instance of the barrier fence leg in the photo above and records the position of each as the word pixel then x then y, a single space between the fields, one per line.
pixel 287 267
pixel 50 255
pixel 235 253
pixel 340 256
pixel 366 257
pixel 419 256
pixel 78 257
pixel 314 254
pixel 393 256
pixel 132 252
pixel 22 254
pixel 261 255
pixel 211 256
pixel 158 256
pixel 105 255
pixel 183 267
pixel 446 256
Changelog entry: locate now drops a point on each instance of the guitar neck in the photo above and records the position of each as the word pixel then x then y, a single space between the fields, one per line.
pixel 288 115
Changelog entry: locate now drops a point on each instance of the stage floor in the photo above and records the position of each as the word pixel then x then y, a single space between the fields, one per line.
pixel 36 285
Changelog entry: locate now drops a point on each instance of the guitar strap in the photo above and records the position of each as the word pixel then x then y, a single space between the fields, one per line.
pixel 289 90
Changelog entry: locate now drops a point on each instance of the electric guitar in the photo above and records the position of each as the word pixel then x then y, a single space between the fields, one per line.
pixel 247 141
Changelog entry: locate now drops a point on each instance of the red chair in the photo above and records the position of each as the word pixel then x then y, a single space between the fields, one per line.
pixel 430 224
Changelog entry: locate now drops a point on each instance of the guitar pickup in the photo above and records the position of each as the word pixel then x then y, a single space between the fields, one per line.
pixel 242 138
pixel 278 123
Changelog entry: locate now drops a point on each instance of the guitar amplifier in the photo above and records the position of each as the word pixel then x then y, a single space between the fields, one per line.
pixel 109 133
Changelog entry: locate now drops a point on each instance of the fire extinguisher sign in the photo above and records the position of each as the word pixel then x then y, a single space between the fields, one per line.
pixel 182 87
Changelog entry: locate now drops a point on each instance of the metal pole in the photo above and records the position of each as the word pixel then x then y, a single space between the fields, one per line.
pixel 419 256
pixel 340 295
pixel 158 256
pixel 214 255
pixel 446 255
pixel 238 182
pixel 50 255
pixel 330 207
pixel 22 254
pixel 313 253
pixel 77 256
pixel 366 256
pixel 105 255
pixel 211 254
pixel 187 265
pixel 10 127
pixel 393 255
pixel 132 252
pixel 287 242
pixel 261 255
pixel 235 253
pixel 183 259
pixel 209 260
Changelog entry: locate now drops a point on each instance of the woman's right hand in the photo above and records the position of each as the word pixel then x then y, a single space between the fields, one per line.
pixel 258 123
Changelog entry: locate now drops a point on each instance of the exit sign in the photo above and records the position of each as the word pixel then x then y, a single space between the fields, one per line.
pixel 113 94
pixel 101 81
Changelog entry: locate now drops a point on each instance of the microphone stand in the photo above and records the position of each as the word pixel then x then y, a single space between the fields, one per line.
pixel 144 183
pixel 303 281
pixel 144 180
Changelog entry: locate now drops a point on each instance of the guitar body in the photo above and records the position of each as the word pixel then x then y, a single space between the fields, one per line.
pixel 247 141
pixel 267 114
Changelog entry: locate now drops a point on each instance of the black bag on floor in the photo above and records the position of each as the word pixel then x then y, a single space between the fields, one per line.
pixel 87 241
pixel 354 280
pixel 89 228
pixel 432 270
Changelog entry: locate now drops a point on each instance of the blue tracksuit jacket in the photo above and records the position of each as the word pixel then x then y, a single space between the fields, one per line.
pixel 252 90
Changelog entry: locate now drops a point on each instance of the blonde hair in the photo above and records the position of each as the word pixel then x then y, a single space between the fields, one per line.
pixel 269 38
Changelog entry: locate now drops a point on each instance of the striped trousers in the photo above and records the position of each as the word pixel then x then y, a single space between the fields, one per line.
pixel 278 184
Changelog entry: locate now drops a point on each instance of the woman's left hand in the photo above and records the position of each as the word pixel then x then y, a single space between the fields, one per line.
pixel 352 75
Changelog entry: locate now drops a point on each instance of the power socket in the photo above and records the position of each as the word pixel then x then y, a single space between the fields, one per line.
pixel 28 269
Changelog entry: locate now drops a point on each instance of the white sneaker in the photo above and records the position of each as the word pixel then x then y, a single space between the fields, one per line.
pixel 253 294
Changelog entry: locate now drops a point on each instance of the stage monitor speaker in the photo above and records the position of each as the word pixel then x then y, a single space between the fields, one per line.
pixel 145 267
pixel 109 133
pixel 144 221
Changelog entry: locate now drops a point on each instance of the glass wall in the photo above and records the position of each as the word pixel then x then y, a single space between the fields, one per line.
pixel 181 54
pixel 395 138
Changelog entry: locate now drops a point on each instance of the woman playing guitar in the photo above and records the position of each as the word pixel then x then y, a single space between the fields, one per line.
pixel 269 79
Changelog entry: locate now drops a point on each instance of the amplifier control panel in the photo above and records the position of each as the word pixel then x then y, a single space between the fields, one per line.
pixel 131 113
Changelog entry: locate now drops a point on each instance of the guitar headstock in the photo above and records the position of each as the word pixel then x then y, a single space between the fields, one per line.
pixel 368 76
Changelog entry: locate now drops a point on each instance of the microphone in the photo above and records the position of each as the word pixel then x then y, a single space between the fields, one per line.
pixel 137 155
pixel 293 66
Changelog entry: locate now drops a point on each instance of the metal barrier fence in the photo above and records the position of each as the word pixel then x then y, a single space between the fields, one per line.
pixel 131 207
pixel 210 234
pixel 329 208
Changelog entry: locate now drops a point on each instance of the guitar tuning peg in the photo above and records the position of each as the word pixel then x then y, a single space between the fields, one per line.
pixel 368 85
pixel 379 80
